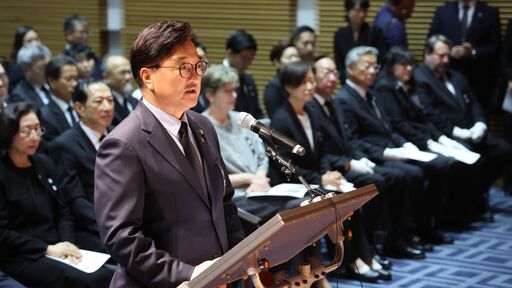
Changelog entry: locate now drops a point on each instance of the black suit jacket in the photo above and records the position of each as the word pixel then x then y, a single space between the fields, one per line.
pixel 361 120
pixel 121 112
pixel 338 146
pixel 483 33
pixel 247 96
pixel 24 91
pixel 31 221
pixel 450 110
pixel 275 95
pixel 54 120
pixel 285 121
pixel 153 216
pixel 344 41
pixel 406 116
pixel 75 156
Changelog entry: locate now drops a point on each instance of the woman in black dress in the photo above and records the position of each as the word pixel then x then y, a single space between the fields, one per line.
pixel 34 223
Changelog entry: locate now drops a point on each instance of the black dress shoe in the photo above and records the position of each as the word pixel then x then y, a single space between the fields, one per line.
pixel 403 251
pixel 416 243
pixel 436 237
pixel 383 274
pixel 369 276
pixel 383 261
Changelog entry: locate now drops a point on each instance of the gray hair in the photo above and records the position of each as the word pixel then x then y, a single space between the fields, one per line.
pixel 217 76
pixel 356 52
pixel 433 40
pixel 28 54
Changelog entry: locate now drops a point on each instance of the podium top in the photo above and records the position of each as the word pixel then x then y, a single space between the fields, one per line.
pixel 283 236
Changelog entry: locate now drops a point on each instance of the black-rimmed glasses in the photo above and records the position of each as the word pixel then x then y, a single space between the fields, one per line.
pixel 26 132
pixel 187 68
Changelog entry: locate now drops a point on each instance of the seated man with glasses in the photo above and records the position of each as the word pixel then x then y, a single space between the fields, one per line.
pixel 162 196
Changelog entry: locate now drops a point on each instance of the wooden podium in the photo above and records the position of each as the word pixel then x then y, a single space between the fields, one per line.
pixel 283 236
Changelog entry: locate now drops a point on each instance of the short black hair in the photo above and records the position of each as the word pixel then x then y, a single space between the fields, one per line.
pixel 432 41
pixel 398 55
pixel 318 58
pixel 299 30
pixel 54 67
pixel 71 22
pixel 10 121
pixel 4 63
pixel 155 42
pixel 277 50
pixel 79 48
pixel 293 73
pixel 349 4
pixel 241 40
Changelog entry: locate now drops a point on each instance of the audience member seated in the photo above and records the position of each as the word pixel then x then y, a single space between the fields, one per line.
pixel 357 33
pixel 365 120
pixel 74 152
pixel 447 95
pixel 304 39
pixel 85 61
pixel 118 76
pixel 59 115
pixel 401 105
pixel 275 95
pixel 24 36
pixel 241 48
pixel 76 32
pixel 4 84
pixel 242 150
pixel 34 220
pixel 33 87
pixel 391 20
pixel 294 120
pixel 473 27
pixel 343 154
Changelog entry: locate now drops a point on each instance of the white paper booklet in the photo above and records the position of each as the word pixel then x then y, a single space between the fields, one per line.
pixel 91 261
pixel 296 190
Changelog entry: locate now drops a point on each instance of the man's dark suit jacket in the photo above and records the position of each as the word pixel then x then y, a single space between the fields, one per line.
pixel 344 41
pixel 247 99
pixel 25 236
pixel 24 91
pixel 406 116
pixel 361 120
pixel 338 146
pixel 507 45
pixel 483 34
pixel 285 122
pixel 75 156
pixel 121 112
pixel 54 120
pixel 450 110
pixel 153 215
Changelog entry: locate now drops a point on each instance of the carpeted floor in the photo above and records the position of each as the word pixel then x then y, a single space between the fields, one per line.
pixel 478 258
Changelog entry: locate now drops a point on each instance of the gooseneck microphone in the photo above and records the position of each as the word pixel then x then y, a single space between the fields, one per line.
pixel 247 121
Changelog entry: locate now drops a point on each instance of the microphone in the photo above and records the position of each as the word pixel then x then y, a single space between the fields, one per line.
pixel 247 121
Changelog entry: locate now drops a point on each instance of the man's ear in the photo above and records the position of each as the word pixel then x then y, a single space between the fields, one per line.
pixel 79 107
pixel 146 75
pixel 350 69
pixel 209 95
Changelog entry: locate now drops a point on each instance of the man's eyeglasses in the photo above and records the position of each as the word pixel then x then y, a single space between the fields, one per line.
pixel 26 132
pixel 187 68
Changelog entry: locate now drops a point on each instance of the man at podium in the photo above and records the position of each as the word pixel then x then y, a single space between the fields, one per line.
pixel 163 198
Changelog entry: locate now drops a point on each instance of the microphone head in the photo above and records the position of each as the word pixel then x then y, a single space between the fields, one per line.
pixel 245 120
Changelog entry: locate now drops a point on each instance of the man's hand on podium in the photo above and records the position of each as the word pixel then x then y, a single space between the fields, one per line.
pixel 201 267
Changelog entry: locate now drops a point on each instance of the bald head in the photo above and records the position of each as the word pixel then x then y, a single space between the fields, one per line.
pixel 117 73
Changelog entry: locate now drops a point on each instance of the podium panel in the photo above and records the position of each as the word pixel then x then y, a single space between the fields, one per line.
pixel 282 237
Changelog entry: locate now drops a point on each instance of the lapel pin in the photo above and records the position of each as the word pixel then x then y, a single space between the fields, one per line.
pixel 201 133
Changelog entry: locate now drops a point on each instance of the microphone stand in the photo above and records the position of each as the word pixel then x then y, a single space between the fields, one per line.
pixel 287 167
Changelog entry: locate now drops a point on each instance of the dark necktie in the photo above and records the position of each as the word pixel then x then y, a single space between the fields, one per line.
pixel 332 112
pixel 102 137
pixel 190 153
pixel 464 24
pixel 71 115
